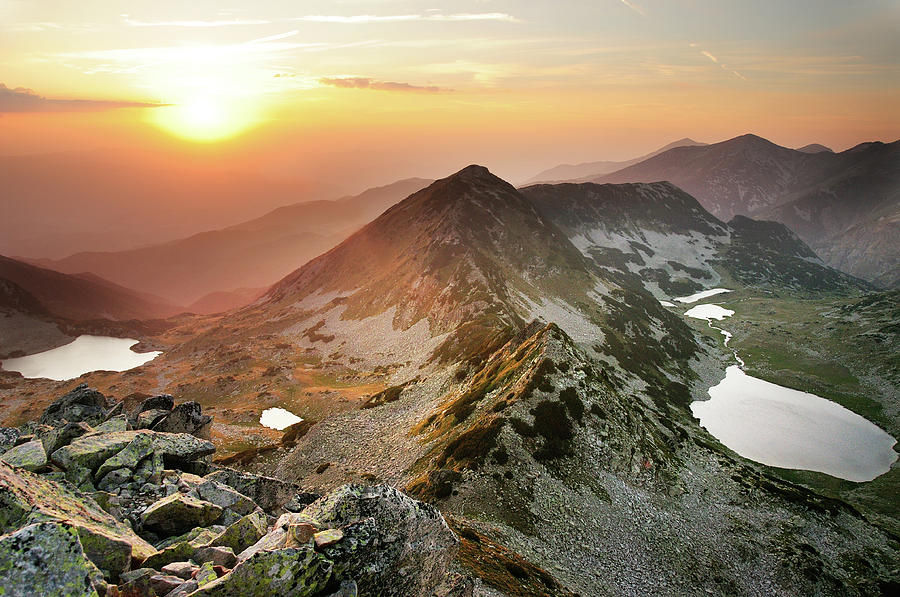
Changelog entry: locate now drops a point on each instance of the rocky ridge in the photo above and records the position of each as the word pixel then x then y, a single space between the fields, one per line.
pixel 99 502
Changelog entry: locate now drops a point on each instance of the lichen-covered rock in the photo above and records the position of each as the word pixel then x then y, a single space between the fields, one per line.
pixel 137 583
pixel 117 423
pixel 296 571
pixel 81 404
pixel 164 583
pixel 27 498
pixel 149 418
pixel 179 513
pixel 178 552
pixel 46 559
pixel 218 556
pixel 270 494
pixel 159 402
pixel 29 456
pixel 8 438
pixel 225 497
pixel 57 437
pixel 409 552
pixel 185 418
pixel 183 570
pixel 90 451
pixel 129 456
pixel 243 533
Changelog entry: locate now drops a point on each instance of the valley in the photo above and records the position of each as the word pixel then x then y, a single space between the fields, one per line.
pixel 506 355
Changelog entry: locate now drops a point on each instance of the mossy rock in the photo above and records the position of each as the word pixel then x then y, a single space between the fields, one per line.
pixel 27 498
pixel 179 513
pixel 46 559
pixel 29 456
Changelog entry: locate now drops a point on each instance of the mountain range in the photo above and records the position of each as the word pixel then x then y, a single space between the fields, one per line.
pixel 42 308
pixel 845 205
pixel 504 354
pixel 576 172
pixel 206 271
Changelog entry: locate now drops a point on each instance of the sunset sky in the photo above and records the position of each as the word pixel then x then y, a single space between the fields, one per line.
pixel 385 89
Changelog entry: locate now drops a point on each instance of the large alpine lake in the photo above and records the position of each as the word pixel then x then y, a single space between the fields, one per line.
pixel 82 355
pixel 787 428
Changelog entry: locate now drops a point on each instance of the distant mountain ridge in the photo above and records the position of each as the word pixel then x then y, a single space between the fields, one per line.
pixel 253 254
pixel 661 238
pixel 845 205
pixel 577 172
pixel 83 296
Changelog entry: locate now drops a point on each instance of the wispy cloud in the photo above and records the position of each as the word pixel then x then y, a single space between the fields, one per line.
pixel 21 99
pixel 361 19
pixel 197 23
pixel 367 83
pixel 634 7
pixel 715 60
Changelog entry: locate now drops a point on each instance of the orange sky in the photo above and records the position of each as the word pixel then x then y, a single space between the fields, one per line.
pixel 374 91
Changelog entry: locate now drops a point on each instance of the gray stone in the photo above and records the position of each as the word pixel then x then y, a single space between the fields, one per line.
pixel 117 423
pixel 269 493
pixel 8 438
pixel 57 437
pixel 163 583
pixel 30 456
pixel 218 556
pixel 384 532
pixel 185 418
pixel 128 457
pixel 183 570
pixel 243 533
pixel 179 513
pixel 46 559
pixel 81 404
pixel 114 479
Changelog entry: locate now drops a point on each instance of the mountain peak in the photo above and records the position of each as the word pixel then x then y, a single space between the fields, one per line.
pixel 474 170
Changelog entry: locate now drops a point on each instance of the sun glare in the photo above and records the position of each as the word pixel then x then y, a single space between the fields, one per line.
pixel 204 119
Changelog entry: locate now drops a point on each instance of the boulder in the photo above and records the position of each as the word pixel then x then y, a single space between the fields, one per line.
pixel 269 493
pixel 163 402
pixel 163 583
pixel 179 552
pixel 179 513
pixel 149 418
pixel 128 457
pixel 29 456
pixel 186 418
pixel 81 404
pixel 117 423
pixel 136 583
pixel 46 559
pixel 183 570
pixel 27 498
pixel 91 451
pixel 225 497
pixel 218 556
pixel 57 437
pixel 9 436
pixel 243 533
pixel 393 545
pixel 296 571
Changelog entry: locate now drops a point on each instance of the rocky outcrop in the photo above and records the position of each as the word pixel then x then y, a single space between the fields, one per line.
pixel 112 505
pixel 46 559
pixel 81 404
pixel 28 498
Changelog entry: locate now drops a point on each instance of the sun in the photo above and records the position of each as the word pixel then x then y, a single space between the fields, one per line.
pixel 205 118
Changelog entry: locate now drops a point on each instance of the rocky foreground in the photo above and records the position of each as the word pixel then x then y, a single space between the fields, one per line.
pixel 97 501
